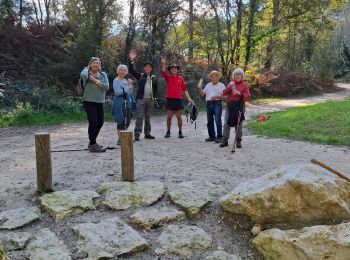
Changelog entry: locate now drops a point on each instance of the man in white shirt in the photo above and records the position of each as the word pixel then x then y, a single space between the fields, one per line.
pixel 213 92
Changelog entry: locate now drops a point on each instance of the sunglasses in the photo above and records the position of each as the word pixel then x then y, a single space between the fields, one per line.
pixel 94 58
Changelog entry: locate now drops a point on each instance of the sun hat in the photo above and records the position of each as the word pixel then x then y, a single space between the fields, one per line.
pixel 173 65
pixel 215 72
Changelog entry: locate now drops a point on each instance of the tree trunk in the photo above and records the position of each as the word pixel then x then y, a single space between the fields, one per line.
pixel 47 4
pixel 131 31
pixel 36 13
pixel 252 10
pixel 20 14
pixel 237 45
pixel 271 43
pixel 190 31
pixel 41 13
pixel 219 38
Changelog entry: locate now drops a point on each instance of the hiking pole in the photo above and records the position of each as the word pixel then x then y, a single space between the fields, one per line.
pixel 235 140
pixel 325 166
pixel 79 150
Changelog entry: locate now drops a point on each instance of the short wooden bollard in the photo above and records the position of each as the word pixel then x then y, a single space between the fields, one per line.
pixel 127 155
pixel 43 162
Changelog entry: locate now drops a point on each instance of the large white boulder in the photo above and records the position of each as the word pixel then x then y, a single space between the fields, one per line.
pixel 108 239
pixel 192 196
pixel 310 243
pixel 125 195
pixel 291 193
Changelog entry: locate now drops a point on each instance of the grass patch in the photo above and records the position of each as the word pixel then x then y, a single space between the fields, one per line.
pixel 326 123
pixel 264 100
pixel 47 118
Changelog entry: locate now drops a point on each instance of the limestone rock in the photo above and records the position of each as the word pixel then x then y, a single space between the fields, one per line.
pixel 14 241
pixel 107 239
pixel 126 195
pixel 3 255
pixel 192 196
pixel 16 218
pixel 256 230
pixel 47 246
pixel 222 255
pixel 291 193
pixel 152 218
pixel 311 243
pixel 182 240
pixel 63 204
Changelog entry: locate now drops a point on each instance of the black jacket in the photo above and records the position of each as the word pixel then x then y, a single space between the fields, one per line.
pixel 142 79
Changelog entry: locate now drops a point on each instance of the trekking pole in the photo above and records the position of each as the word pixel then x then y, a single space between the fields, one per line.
pixel 235 140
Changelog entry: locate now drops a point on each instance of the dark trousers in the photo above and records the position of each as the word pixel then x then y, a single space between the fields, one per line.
pixel 214 111
pixel 95 116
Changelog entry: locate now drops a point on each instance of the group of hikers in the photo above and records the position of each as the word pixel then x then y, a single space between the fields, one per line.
pixel 96 85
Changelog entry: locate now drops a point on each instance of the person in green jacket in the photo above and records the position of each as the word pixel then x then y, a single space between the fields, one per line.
pixel 95 86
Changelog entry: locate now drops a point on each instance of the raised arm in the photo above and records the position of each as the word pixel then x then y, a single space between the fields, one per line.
pixel 132 57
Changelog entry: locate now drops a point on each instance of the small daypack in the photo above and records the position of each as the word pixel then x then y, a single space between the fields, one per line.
pixel 81 86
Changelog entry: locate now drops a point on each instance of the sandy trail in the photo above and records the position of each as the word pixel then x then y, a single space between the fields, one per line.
pixel 170 160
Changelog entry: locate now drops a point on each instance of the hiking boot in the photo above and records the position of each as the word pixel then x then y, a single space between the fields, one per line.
pixel 167 135
pixel 239 143
pixel 92 144
pixel 149 137
pixel 224 142
pixel 181 135
pixel 137 138
pixel 218 140
pixel 210 139
pixel 95 148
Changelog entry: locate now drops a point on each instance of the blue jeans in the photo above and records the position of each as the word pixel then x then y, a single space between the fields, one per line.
pixel 214 111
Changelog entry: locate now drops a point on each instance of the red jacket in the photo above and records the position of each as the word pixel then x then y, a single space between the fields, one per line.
pixel 175 86
pixel 241 87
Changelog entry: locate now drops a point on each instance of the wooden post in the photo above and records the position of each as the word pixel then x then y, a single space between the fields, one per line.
pixel 43 162
pixel 127 155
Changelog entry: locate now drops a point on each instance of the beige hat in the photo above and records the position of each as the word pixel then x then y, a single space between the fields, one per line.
pixel 215 72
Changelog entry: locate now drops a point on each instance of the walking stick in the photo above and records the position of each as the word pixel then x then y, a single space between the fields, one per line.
pixel 235 140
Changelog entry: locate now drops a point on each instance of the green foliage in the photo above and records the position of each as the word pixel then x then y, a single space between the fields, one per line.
pixel 327 123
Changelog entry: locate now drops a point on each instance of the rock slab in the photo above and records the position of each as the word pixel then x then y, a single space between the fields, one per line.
pixel 126 195
pixel 64 204
pixel 47 246
pixel 17 218
pixel 192 196
pixel 292 193
pixel 108 239
pixel 14 241
pixel 182 240
pixel 152 218
pixel 222 255
pixel 310 243
pixel 3 255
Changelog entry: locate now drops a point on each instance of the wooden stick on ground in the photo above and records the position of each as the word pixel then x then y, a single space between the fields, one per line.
pixel 330 169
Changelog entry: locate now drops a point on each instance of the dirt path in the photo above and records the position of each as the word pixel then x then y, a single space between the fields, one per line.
pixel 170 160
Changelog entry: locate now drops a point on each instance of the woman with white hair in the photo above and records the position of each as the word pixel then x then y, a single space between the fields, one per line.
pixel 122 103
pixel 236 94
pixel 95 86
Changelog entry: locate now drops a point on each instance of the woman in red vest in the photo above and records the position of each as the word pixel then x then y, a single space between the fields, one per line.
pixel 175 87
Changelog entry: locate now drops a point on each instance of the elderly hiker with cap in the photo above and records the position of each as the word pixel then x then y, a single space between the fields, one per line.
pixel 122 101
pixel 95 86
pixel 175 87
pixel 236 92
pixel 146 95
pixel 213 92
